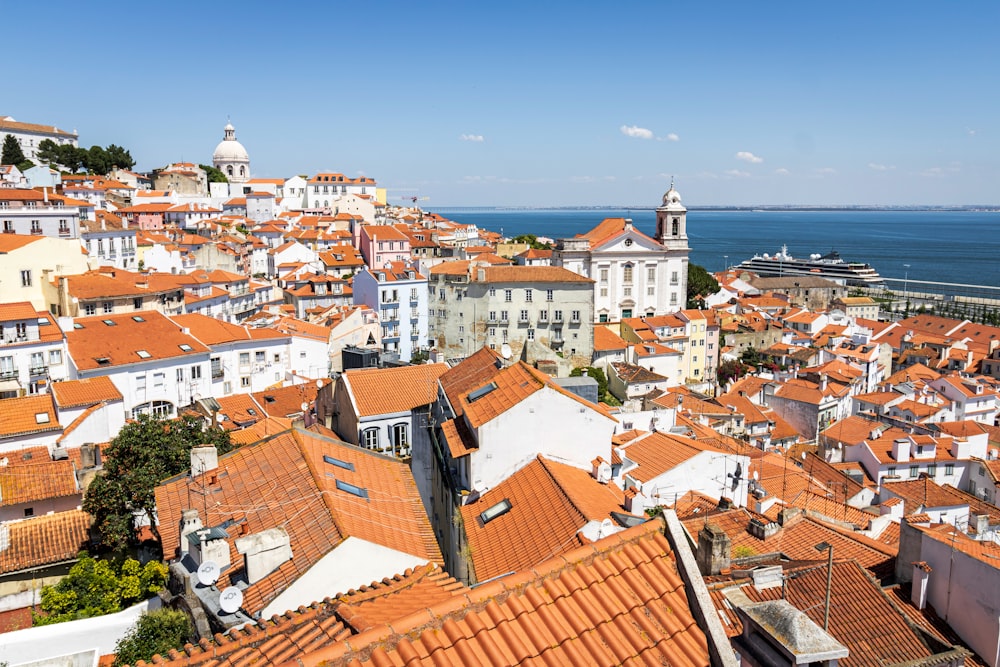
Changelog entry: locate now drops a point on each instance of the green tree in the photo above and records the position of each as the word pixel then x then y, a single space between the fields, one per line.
pixel 751 357
pixel 145 452
pixel 729 370
pixel 97 587
pixel 119 158
pixel 603 395
pixel 214 175
pixel 71 158
pixel 48 152
pixel 532 241
pixel 155 632
pixel 700 284
pixel 98 161
pixel 11 153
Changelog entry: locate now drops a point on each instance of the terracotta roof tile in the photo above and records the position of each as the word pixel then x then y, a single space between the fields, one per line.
pixel 380 391
pixel 89 391
pixel 44 540
pixel 550 503
pixel 617 601
pixel 92 340
pixel 27 415
pixel 37 479
pixel 287 401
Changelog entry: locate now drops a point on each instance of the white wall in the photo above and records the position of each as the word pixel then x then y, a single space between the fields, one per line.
pixel 547 423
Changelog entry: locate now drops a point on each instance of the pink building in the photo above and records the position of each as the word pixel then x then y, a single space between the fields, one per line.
pixel 381 244
pixel 146 217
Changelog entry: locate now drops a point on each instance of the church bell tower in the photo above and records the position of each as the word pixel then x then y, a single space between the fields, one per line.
pixel 671 221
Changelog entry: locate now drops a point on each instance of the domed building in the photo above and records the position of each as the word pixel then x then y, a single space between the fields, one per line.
pixel 231 158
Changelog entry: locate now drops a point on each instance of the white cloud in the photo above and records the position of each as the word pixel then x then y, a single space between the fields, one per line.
pixel 880 167
pixel 781 171
pixel 670 137
pixel 636 132
pixel 747 156
pixel 736 173
pixel 971 131
pixel 826 171
pixel 478 138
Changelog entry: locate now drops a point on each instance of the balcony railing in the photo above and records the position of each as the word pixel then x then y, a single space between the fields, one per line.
pixel 38 370
pixel 8 373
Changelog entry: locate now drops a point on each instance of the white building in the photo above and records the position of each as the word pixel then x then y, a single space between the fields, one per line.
pixel 634 275
pixel 399 295
pixel 30 212
pixel 32 350
pixel 323 188
pixel 29 135
pixel 156 365
pixel 243 360
pixel 231 158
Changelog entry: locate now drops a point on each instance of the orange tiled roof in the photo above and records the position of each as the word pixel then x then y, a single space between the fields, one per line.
pixel 45 540
pixel 550 503
pixel 287 401
pixel 88 391
pixel 92 340
pixel 21 310
pixel 659 452
pixel 617 601
pixel 32 481
pixel 27 415
pixel 283 481
pixel 379 391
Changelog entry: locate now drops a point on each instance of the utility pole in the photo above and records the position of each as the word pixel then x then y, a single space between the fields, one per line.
pixel 826 546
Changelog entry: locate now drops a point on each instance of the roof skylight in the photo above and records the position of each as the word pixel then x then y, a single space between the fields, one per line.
pixel 42 418
pixel 352 489
pixel 185 347
pixel 337 462
pixel 143 354
pixel 476 394
pixel 499 509
pixel 110 323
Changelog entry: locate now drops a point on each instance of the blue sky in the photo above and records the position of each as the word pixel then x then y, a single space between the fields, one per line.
pixel 539 104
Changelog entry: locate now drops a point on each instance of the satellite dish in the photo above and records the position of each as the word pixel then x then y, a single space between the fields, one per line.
pixel 756 475
pixel 505 351
pixel 304 406
pixel 219 417
pixel 231 599
pixel 208 573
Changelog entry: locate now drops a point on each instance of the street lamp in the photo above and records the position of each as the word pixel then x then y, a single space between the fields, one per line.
pixel 827 547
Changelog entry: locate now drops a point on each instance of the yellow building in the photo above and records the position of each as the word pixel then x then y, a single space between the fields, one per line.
pixel 27 262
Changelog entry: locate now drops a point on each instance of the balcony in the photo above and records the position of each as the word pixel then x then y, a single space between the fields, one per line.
pixel 504 320
pixel 543 317
pixel 14 340
pixel 557 318
pixel 8 374
pixel 523 319
pixel 41 369
pixel 217 373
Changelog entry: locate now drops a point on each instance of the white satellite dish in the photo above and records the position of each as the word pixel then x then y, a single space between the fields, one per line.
pixel 756 475
pixel 230 599
pixel 208 573
pixel 219 417
pixel 505 351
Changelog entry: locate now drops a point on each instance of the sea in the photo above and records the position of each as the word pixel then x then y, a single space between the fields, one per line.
pixel 959 247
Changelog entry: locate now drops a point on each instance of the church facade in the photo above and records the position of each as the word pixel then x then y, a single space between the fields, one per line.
pixel 634 275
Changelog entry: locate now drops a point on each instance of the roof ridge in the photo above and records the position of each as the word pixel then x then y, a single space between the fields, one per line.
pixel 562 490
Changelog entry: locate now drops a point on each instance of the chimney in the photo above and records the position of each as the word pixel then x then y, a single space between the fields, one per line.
pixel 762 530
pixel 481 275
pixel 600 470
pixel 204 458
pixel 901 450
pixel 921 579
pixel 822 381
pixel 190 523
pixel 88 459
pixel 264 552
pixel 714 548
pixel 209 544
pixel 789 515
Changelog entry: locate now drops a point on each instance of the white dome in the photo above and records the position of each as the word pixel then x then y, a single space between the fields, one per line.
pixel 230 150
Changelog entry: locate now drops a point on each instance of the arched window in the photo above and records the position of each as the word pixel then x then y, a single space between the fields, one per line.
pixel 675 226
pixel 370 438
pixel 627 277
pixel 243 171
pixel 400 438
pixel 230 170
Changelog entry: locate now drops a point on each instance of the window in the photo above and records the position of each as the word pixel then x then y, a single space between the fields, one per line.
pixel 244 360
pixel 604 291
pixel 461 328
pixel 508 295
pixel 196 372
pixel 651 274
pixel 159 379
pixel 673 298
pixel 370 438
pixel 549 295
pixel 493 316
pixel 493 291
pixel 108 307
pixel 575 316
pixel 36 227
pixel 137 303
pixel 244 381
pixel 604 275
pixel 932 470
pixel 891 471
pixel 140 383
pixel 524 316
pixel 651 291
pixel 441 294
pixel 673 277
pixel 493 331
pixel 531 334
pixel 503 316
pixel 217 368
pixel 557 316
pixel 527 295
pixel 89 309
pixel 260 356
pixel 63 228
pixel 55 357
pixel 26 278
pixel 399 435
pixel 914 471
pixel 8 226
pixel 949 469
pixel 627 273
